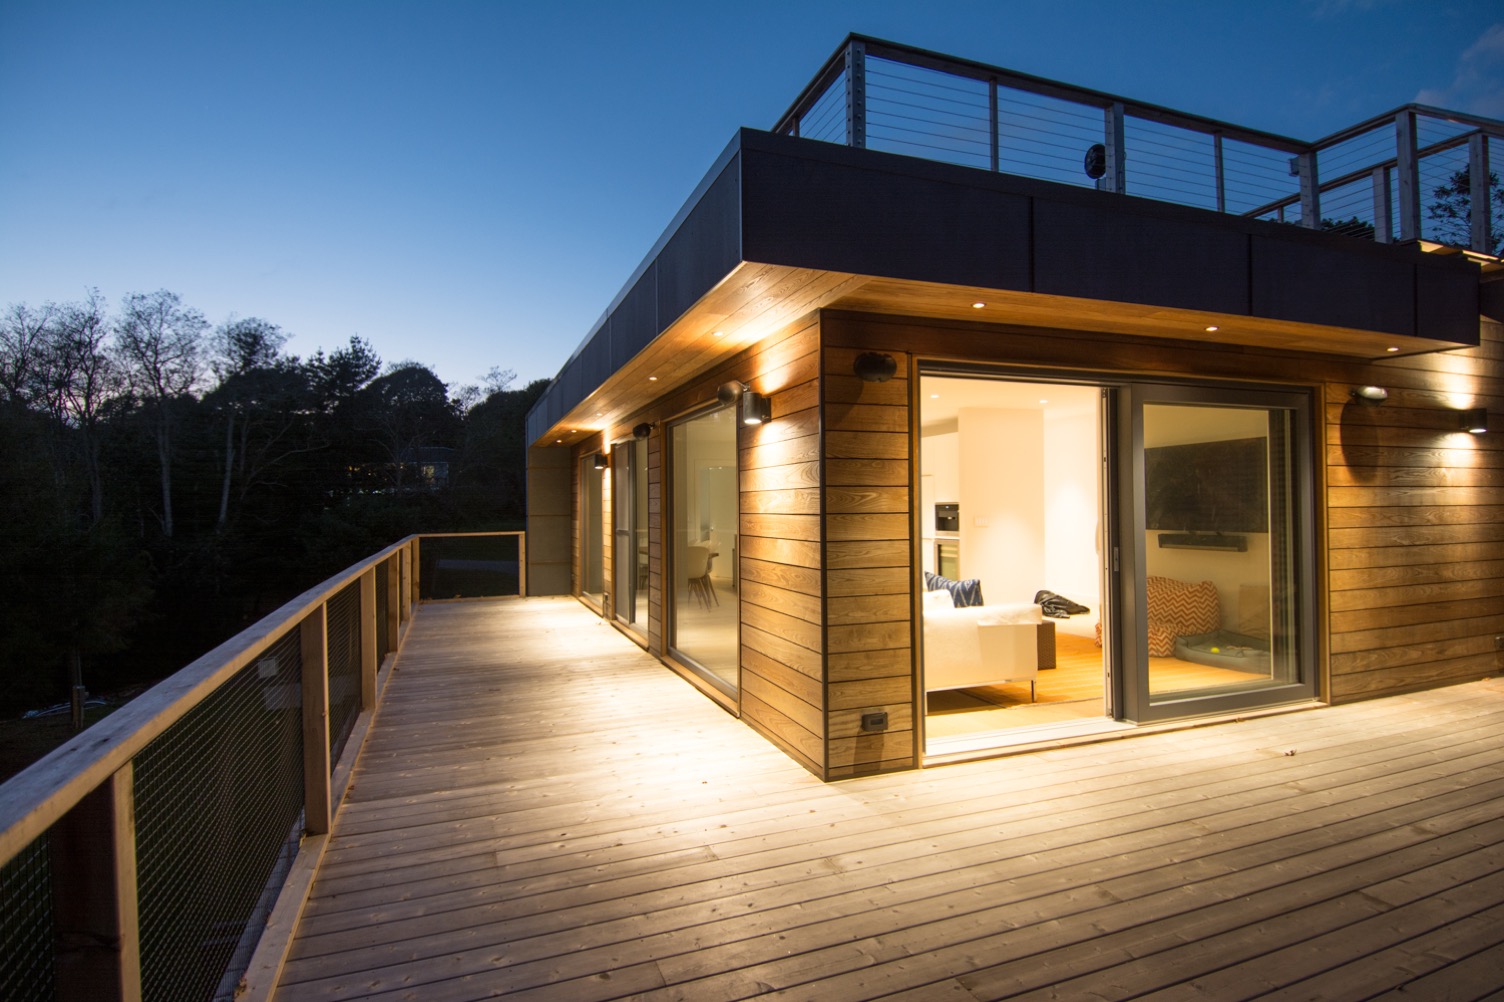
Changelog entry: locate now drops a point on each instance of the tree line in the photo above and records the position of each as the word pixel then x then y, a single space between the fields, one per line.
pixel 168 481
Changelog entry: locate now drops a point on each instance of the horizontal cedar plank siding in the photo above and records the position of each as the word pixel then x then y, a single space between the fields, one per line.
pixel 868 568
pixel 1410 510
pixel 778 558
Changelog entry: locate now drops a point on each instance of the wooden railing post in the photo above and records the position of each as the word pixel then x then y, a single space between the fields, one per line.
pixel 315 647
pixel 393 624
pixel 1116 178
pixel 1383 223
pixel 417 563
pixel 522 565
pixel 856 95
pixel 368 627
pixel 95 913
pixel 405 593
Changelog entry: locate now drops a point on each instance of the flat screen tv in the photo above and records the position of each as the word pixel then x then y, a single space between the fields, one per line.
pixel 1208 486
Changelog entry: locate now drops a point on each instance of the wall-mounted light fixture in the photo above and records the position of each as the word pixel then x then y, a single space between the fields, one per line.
pixel 1475 421
pixel 1371 395
pixel 642 431
pixel 874 367
pixel 600 461
pixel 756 408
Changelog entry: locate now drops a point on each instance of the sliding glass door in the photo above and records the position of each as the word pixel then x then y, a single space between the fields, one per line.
pixel 704 634
pixel 1218 541
pixel 629 499
pixel 592 530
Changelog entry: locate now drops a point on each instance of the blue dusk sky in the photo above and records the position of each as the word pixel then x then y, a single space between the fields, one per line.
pixel 468 184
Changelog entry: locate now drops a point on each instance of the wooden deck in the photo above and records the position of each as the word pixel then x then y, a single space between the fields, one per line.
pixel 514 830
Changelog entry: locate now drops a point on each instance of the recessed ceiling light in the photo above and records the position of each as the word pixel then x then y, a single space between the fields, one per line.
pixel 652 379
pixel 1391 348
pixel 1044 401
pixel 720 333
pixel 977 306
pixel 558 441
pixel 1213 329
pixel 934 396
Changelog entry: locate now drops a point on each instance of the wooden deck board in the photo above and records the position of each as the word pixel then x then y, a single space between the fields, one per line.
pixel 513 828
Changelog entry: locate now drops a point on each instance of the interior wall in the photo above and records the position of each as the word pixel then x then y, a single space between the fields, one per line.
pixel 1002 502
pixel 1072 503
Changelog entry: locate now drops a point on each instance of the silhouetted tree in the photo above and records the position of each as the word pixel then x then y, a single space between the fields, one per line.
pixel 1452 210
pixel 160 342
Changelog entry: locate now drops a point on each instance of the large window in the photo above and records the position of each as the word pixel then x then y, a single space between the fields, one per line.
pixel 702 565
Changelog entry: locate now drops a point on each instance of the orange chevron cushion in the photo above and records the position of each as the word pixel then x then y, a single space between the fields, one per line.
pixel 1177 609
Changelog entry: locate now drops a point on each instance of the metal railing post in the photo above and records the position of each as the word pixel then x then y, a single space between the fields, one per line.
pixel 1310 190
pixel 1220 172
pixel 856 95
pixel 993 125
pixel 1408 173
pixel 1116 178
pixel 1383 222
pixel 95 911
pixel 314 637
pixel 1480 193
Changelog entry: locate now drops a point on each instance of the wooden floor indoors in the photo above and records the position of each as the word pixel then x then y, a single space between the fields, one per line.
pixel 545 812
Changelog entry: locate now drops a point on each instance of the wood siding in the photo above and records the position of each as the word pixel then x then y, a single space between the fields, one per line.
pixel 1410 509
pixel 869 572
pixel 779 552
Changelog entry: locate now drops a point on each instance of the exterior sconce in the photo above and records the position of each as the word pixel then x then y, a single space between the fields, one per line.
pixel 1475 421
pixel 1371 395
pixel 756 408
pixel 642 431
pixel 600 461
pixel 874 367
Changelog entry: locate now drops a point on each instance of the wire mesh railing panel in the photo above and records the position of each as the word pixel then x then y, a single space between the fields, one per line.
pixel 926 113
pixel 826 118
pixel 1170 164
pixel 343 630
pixel 383 648
pixel 1046 138
pixel 218 797
pixel 26 928
pixel 468 567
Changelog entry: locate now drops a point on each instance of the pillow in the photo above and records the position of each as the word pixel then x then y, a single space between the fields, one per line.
pixel 938 599
pixel 962 593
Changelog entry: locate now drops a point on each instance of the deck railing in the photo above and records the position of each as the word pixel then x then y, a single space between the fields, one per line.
pixel 1384 179
pixel 151 855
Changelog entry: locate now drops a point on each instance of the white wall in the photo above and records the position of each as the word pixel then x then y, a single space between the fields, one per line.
pixel 1072 528
pixel 1001 456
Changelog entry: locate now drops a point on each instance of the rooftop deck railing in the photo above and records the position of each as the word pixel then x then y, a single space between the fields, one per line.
pixel 1392 178
pixel 149 856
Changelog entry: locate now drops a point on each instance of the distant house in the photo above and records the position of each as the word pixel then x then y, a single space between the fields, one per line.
pixel 1196 412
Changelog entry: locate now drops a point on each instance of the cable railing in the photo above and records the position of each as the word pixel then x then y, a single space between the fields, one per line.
pixel 165 852
pixel 1404 176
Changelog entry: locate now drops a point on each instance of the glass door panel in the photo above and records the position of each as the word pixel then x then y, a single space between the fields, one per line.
pixel 592 528
pixel 705 631
pixel 1221 554
pixel 629 494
